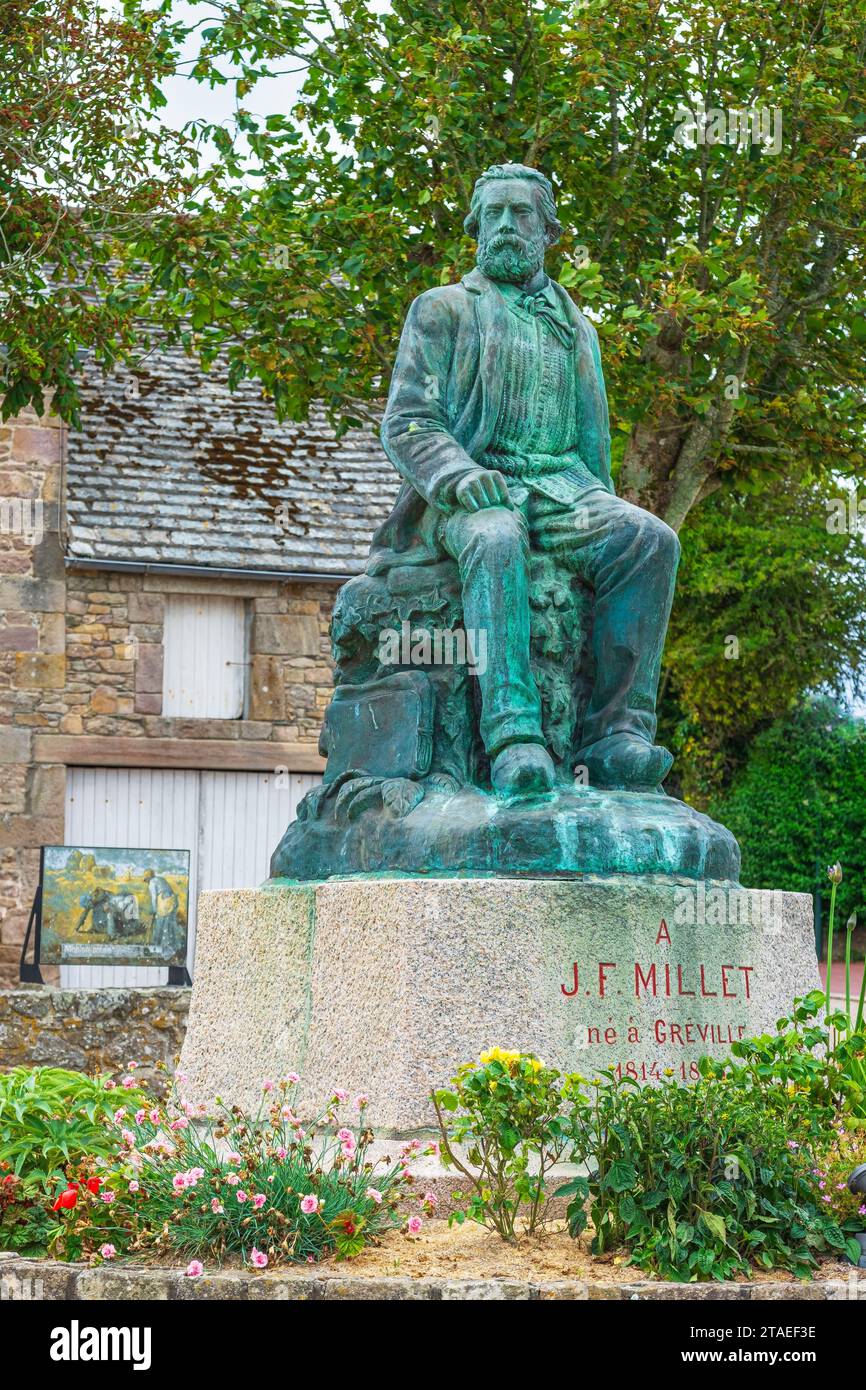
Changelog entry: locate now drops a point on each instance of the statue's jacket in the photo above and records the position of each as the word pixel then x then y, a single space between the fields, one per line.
pixel 444 402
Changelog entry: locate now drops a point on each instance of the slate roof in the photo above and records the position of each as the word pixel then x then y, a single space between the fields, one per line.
pixel 190 473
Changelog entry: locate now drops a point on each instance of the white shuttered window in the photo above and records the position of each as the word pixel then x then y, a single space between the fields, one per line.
pixel 205 639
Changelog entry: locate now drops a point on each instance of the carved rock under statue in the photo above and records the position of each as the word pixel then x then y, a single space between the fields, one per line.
pixel 497 664
pixel 491 858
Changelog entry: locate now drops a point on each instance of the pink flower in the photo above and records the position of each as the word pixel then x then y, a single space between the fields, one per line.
pixel 134 1186
pixel 233 1158
pixel 361 1101
pixel 293 1078
pixel 110 1085
pixel 345 1136
pixel 259 1201
pixel 195 1269
pixel 128 1083
pixel 181 1077
pixel 825 1199
pixel 374 1195
pixel 415 1224
pixel 120 1115
pixel 131 1066
pixel 340 1094
pixel 179 1182
pixel 154 1117
pixel 107 1197
pixel 233 1179
pixel 179 1123
pixel 309 1204
pixel 216 1206
pixel 196 1174
pixel 430 1200
pixel 348 1149
pixel 258 1258
pixel 282 1152
pixel 108 1252
pixel 268 1086
pixel 241 1195
pixel 128 1137
pixel 299 1132
pixel 140 1116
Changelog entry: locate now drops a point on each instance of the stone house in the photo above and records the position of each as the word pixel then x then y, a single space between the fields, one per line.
pixel 167 574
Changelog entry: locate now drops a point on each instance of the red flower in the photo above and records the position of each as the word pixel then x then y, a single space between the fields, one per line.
pixel 349 1227
pixel 66 1201
pixel 94 1184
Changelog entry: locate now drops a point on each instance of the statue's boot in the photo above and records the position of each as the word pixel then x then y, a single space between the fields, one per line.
pixel 625 762
pixel 523 769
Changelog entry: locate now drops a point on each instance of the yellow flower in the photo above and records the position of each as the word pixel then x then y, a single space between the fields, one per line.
pixel 497 1054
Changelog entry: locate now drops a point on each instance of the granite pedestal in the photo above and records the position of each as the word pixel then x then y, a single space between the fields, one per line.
pixel 386 985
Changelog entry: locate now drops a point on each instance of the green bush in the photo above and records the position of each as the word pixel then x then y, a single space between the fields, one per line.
pixel 704 1181
pixel 506 1112
pixel 799 804
pixel 51 1118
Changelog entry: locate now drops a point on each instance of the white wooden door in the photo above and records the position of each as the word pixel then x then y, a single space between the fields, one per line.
pixel 243 815
pixel 229 821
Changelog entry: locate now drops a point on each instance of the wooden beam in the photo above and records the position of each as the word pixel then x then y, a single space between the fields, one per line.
pixel 234 755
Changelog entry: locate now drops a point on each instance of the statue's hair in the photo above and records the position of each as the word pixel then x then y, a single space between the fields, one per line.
pixel 541 187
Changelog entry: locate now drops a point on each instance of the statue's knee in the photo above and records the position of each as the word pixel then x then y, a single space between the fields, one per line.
pixel 652 531
pixel 493 530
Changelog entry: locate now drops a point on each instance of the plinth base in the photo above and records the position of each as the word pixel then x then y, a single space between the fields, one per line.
pixel 385 986
pixel 575 830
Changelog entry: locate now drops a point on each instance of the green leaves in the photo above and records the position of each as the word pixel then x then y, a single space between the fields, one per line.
pixel 50 1117
pixel 721 1173
pixel 512 1118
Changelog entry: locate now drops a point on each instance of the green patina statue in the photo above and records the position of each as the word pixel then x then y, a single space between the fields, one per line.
pixel 497 663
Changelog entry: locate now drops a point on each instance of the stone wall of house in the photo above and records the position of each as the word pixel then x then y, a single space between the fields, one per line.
pixel 94 1029
pixel 114 657
pixel 81 659
pixel 32 664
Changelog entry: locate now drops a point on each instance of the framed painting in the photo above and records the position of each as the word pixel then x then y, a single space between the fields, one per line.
pixel 113 906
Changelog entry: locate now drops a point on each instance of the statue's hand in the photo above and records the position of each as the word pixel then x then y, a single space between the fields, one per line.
pixel 482 488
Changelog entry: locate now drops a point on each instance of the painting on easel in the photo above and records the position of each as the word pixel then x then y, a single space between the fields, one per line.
pixel 114 906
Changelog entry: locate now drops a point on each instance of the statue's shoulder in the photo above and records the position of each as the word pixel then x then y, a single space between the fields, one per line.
pixel 441 300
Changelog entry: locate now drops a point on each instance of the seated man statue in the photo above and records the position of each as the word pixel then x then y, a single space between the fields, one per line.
pixel 497 420
pixel 540 756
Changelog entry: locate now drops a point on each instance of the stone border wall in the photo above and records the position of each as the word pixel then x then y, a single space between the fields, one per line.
pixel 93 1029
pixel 44 1279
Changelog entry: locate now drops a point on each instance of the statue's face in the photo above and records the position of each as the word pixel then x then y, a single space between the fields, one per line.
pixel 511 235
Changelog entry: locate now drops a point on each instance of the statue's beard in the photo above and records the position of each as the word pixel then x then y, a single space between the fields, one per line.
pixel 507 256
